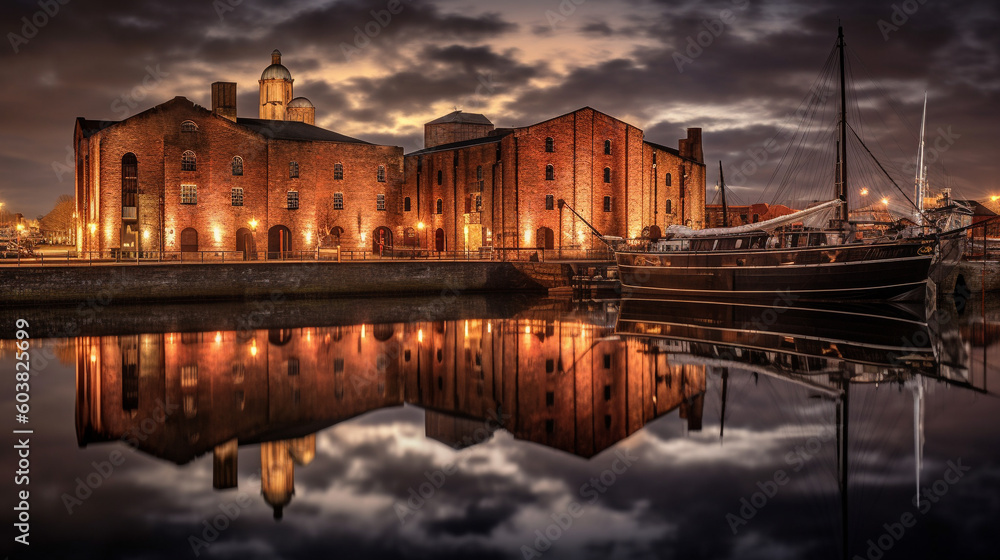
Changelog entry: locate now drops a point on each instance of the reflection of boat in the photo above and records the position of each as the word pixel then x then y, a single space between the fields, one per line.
pixel 865 342
pixel 814 253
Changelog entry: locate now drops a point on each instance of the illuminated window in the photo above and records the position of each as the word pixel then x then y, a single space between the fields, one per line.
pixel 237 196
pixel 550 173
pixel 338 201
pixel 130 179
pixel 189 194
pixel 380 175
pixel 237 165
pixel 550 144
pixel 293 200
pixel 293 170
pixel 338 171
pixel 380 202
pixel 189 161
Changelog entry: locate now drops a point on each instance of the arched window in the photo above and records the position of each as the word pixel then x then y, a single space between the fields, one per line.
pixel 189 161
pixel 381 174
pixel 439 207
pixel 607 147
pixel 338 171
pixel 130 180
pixel 550 144
pixel 237 165
pixel 293 170
pixel 668 180
pixel 550 173
pixel 607 174
pixel 669 209
pixel 189 126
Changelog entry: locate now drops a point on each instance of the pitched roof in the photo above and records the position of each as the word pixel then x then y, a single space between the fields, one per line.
pixel 462 117
pixel 89 127
pixel 461 144
pixel 663 148
pixel 294 130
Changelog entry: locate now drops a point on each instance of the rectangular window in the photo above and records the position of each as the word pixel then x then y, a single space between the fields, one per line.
pixel 380 202
pixel 293 200
pixel 338 365
pixel 440 177
pixel 380 175
pixel 550 202
pixel 607 362
pixel 338 201
pixel 479 203
pixel 406 204
pixel 607 204
pixel 189 194
pixel 338 171
pixel 293 170
pixel 237 196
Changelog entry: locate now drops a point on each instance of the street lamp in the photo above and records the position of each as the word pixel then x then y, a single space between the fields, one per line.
pixel 421 226
pixel 253 224
pixel 20 228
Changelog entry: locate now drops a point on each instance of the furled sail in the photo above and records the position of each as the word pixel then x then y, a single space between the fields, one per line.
pixel 815 216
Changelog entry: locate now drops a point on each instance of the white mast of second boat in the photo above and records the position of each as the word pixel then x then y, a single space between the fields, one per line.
pixel 921 179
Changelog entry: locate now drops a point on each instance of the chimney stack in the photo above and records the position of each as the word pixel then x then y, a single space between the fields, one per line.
pixel 224 100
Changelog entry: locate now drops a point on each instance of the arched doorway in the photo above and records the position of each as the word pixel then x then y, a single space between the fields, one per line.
pixel 545 239
pixel 189 240
pixel 381 240
pixel 245 244
pixel 336 232
pixel 654 233
pixel 439 240
pixel 279 242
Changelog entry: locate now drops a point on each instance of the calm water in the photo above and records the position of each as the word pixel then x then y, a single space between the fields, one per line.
pixel 495 428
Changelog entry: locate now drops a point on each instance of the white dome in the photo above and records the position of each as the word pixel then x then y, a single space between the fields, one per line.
pixel 301 102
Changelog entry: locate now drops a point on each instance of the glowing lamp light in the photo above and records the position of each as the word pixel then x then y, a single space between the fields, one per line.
pixel 93 357
pixel 362 331
pixel 994 198
pixel 466 328
pixel 864 191
pixel 489 327
pixel 253 348
pixel 20 227
pixel 363 237
pixel 218 337
pixel 309 237
pixel 885 201
pixel 527 329
pixel 466 230
pixel 217 234
pixel 92 228
pixel 420 335
pixel 527 236
pixel 420 226
pixel 145 234
pixel 253 223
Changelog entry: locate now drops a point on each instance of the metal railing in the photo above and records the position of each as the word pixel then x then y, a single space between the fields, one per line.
pixel 117 256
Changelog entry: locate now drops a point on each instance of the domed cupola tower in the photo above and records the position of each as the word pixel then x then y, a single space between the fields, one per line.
pixel 275 89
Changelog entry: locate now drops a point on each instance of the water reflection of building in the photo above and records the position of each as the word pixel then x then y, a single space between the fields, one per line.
pixel 563 384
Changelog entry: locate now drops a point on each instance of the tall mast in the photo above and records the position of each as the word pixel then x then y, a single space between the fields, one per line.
pixel 725 207
pixel 921 172
pixel 843 127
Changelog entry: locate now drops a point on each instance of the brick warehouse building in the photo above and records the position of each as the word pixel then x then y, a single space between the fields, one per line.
pixel 180 177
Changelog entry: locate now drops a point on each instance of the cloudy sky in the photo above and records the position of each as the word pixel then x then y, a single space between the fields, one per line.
pixel 379 76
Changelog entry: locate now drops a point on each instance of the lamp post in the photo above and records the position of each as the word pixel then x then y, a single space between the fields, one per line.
pixel 20 228
pixel 422 227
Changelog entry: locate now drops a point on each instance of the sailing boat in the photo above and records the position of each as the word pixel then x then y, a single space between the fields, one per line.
pixel 823 259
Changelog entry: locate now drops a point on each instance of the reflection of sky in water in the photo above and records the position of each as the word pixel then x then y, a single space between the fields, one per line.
pixel 349 496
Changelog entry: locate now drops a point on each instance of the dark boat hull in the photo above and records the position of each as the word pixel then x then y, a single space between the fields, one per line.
pixel 890 271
